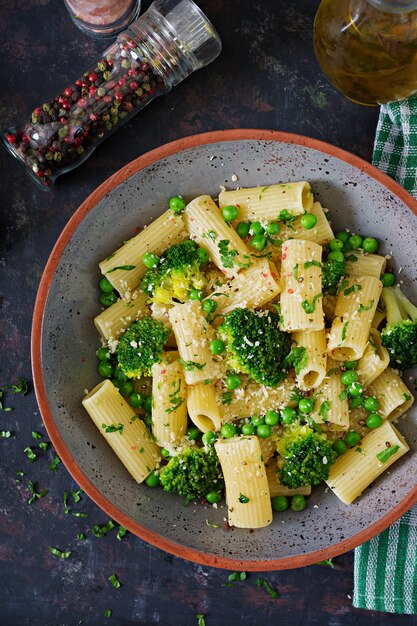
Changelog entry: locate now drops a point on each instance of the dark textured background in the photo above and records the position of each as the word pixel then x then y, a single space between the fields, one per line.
pixel 266 78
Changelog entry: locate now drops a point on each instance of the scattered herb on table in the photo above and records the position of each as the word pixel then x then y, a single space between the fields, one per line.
pixel 35 495
pixel 6 434
pixel 44 445
pixel 81 536
pixel 328 562
pixel 261 582
pixel 62 555
pixel 30 454
pixel 108 613
pixel 201 620
pixel 115 581
pixel 54 463
pixel 237 576
pixel 121 533
pixel 101 530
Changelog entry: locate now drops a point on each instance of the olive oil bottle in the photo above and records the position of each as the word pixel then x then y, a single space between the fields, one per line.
pixel 368 48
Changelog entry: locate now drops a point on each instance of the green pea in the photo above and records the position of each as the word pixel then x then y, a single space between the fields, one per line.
pixel 217 346
pixel 259 242
pixel 209 306
pixel 273 228
pixel 147 405
pixel 306 405
pixel 350 365
pixel 336 255
pixel 127 388
pixel 272 418
pixel 349 377
pixel 195 294
pixel 209 438
pixel 371 404
pixel 136 399
pixel 150 259
pixel 280 503
pixel 388 279
pixel 103 354
pixel 242 229
pixel 343 236
pixel 233 381
pixel 355 241
pixel 336 244
pixel 370 245
pixel 355 390
pixel 166 454
pixel 228 430
pixel 213 497
pixel 288 415
pixel 248 429
pixel 203 256
pixel 356 402
pixel 308 221
pixel 194 433
pixel 298 503
pixel 177 204
pixel 105 369
pixel 256 228
pixel 230 212
pixel 263 431
pixel 120 375
pixel 152 480
pixel 107 299
pixel 257 420
pixel 105 285
pixel 285 215
pixel 374 420
pixel 339 447
pixel 352 438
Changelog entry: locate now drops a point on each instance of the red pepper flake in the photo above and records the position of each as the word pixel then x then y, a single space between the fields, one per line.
pixel 133 447
pixel 290 290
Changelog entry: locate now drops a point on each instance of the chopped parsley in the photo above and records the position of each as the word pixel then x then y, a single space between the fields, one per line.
pixel 237 576
pixel 101 530
pixel 108 613
pixel 362 307
pixel 308 264
pixel 328 562
pixel 111 428
pixel 34 494
pixel 121 533
pixel 309 307
pixel 387 453
pixel 344 330
pixel 295 271
pixel 324 409
pixel 343 285
pixel 30 454
pixel 352 289
pixel 334 370
pixel 189 366
pixel 36 435
pixel 343 395
pixel 122 267
pixel 227 397
pixel 406 397
pixel 297 358
pixel 352 257
pixel 54 463
pixel 200 619
pixel 211 234
pixel 262 583
pixel 227 257
pixel 243 499
pixel 44 445
pixel 81 536
pixel 6 434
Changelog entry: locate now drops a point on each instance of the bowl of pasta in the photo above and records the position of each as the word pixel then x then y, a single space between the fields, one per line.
pixel 239 308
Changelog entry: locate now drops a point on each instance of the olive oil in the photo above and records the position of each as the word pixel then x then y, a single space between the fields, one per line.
pixel 368 48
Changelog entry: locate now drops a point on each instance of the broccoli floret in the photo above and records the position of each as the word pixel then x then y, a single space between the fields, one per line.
pixel 400 334
pixel 177 272
pixel 332 273
pixel 305 456
pixel 192 473
pixel 141 346
pixel 255 345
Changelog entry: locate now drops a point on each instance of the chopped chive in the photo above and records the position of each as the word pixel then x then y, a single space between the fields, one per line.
pixel 111 428
pixel 76 495
pixel 108 613
pixel 30 454
pixel 328 562
pixel 36 435
pixel 78 514
pixel 35 495
pixel 66 508
pixel 62 555
pixel 54 463
pixel 121 532
pixel 201 619
pixel 386 454
pixel 44 445
pixel 81 536
pixel 115 581
pixel 261 582
pixel 6 434
pixel 101 530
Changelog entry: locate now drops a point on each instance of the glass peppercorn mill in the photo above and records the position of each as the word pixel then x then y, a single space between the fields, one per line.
pixel 155 53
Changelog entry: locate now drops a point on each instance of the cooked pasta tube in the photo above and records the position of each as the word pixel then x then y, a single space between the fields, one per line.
pixel 393 395
pixel 125 268
pixel 360 264
pixel 276 488
pixel 301 297
pixel 374 360
pixel 247 492
pixel 169 407
pixel 254 399
pixel 251 288
pixel 331 404
pixel 194 335
pixel 355 309
pixel 354 471
pixel 123 430
pixel 203 409
pixel 321 233
pixel 113 321
pixel 266 203
pixel 311 368
pixel 206 225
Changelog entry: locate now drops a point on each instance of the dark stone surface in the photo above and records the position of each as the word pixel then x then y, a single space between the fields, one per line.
pixel 266 78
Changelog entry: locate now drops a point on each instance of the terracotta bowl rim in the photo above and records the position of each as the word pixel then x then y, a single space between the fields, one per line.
pixel 113 511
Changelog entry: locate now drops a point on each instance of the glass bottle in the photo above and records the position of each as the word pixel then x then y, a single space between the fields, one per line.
pixel 155 53
pixel 102 18
pixel 368 48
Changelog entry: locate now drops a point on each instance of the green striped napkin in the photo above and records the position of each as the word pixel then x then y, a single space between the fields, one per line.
pixel 385 570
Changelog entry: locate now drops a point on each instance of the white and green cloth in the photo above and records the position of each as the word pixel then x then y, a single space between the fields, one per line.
pixel 385 571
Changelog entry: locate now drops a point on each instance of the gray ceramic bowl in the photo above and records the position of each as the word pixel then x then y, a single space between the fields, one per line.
pixel 65 341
